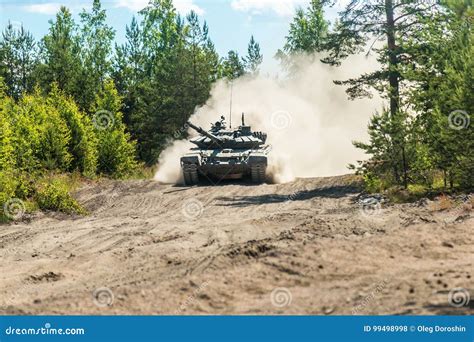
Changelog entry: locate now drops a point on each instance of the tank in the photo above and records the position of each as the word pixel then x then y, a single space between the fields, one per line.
pixel 222 153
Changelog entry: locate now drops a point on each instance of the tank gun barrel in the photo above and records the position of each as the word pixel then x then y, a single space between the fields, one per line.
pixel 203 132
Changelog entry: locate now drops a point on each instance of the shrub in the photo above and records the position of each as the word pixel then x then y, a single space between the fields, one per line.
pixel 40 135
pixel 50 134
pixel 83 143
pixel 54 194
pixel 6 136
pixel 8 186
pixel 372 183
pixel 115 148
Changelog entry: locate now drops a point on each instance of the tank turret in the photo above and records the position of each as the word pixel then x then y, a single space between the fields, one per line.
pixel 222 153
pixel 209 135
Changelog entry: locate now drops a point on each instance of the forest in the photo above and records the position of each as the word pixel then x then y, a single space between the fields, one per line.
pixel 75 106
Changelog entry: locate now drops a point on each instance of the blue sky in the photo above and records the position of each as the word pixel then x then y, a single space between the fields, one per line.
pixel 231 22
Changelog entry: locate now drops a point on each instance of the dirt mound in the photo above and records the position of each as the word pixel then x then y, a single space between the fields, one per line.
pixel 235 249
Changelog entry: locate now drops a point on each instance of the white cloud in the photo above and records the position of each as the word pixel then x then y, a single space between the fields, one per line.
pixel 283 8
pixel 182 6
pixel 48 8
pixel 186 6
pixel 132 5
pixel 51 8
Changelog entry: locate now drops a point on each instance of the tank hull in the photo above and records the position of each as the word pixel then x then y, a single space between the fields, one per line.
pixel 225 164
pixel 226 154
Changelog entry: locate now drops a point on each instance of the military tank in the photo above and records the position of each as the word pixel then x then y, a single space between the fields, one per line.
pixel 223 153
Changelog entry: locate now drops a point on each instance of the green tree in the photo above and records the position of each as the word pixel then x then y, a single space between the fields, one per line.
pixel 116 150
pixel 7 160
pixel 18 57
pixel 128 71
pixel 232 66
pixel 96 42
pixel 441 79
pixel 60 55
pixel 308 31
pixel 307 35
pixel 172 64
pixel 159 111
pixel 195 38
pixel 83 143
pixel 8 182
pixel 254 57
pixel 392 21
pixel 41 136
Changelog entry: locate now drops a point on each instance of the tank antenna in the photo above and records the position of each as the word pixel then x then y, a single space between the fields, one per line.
pixel 231 89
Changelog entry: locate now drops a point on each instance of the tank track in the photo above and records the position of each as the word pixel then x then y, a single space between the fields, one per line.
pixel 190 173
pixel 257 173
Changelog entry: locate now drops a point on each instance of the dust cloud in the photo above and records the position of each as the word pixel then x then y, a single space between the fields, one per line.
pixel 309 120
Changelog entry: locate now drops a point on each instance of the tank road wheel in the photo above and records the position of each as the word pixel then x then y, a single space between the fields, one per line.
pixel 194 176
pixel 187 178
pixel 258 173
pixel 190 173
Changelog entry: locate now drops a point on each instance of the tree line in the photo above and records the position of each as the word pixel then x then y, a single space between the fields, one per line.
pixel 75 102
pixel 423 138
pixel 162 72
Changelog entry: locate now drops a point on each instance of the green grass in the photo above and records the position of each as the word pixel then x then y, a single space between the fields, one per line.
pixel 413 193
pixel 54 193
pixel 143 172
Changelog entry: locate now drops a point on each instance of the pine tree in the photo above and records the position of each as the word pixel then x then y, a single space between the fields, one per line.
pixel 7 161
pixel 60 55
pixel 232 66
pixel 128 71
pixel 308 31
pixel 96 41
pixel 41 136
pixel 441 91
pixel 116 150
pixel 254 58
pixel 392 21
pixel 165 70
pixel 18 58
pixel 83 143
pixel 307 35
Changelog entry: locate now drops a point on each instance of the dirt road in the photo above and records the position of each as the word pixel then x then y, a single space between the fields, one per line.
pixel 305 247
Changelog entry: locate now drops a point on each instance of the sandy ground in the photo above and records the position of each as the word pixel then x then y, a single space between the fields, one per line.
pixel 305 247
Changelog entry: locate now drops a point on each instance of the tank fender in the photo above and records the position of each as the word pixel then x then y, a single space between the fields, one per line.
pixel 191 159
pixel 259 159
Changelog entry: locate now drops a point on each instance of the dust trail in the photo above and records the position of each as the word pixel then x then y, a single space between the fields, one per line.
pixel 309 120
